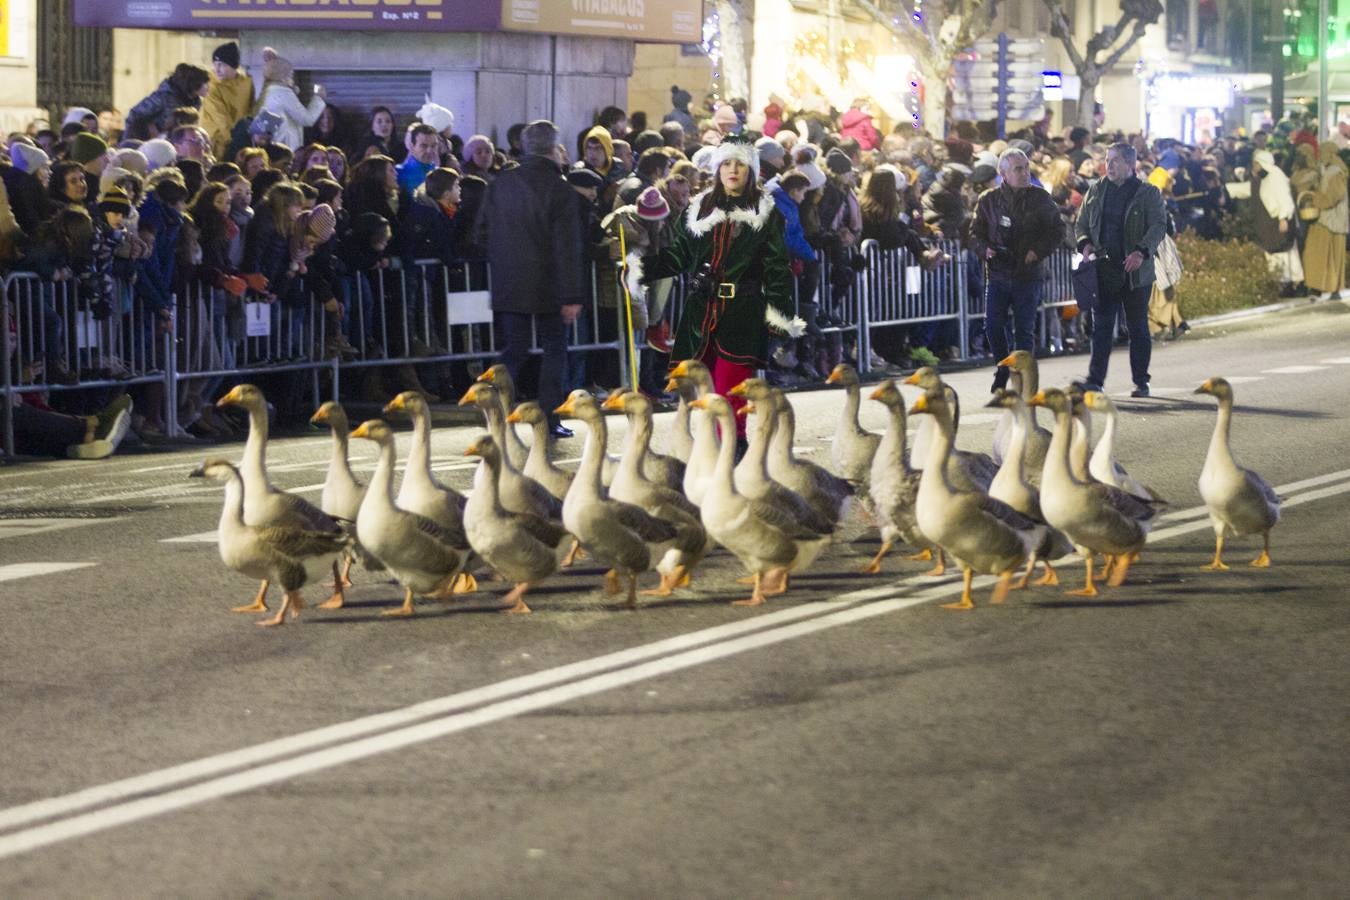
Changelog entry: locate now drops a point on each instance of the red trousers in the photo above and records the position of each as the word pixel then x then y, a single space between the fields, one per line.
pixel 726 375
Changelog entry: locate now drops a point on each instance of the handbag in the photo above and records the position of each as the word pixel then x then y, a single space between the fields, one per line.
pixel 1085 285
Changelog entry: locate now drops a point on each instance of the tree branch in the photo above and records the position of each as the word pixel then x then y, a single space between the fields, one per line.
pixel 1110 61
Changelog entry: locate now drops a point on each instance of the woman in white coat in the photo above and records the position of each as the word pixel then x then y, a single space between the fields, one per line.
pixel 279 96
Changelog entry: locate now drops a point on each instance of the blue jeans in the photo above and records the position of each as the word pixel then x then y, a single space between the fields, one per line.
pixel 1023 297
pixel 1115 297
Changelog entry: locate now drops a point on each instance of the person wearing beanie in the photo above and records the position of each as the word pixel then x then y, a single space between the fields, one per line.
pixel 278 96
pixel 228 99
pixel 771 156
pixel 726 120
pixel 158 154
pixel 26 182
pixel 838 163
pixel 731 242
pixel 28 158
pixel 91 152
pixel 79 115
pixel 679 111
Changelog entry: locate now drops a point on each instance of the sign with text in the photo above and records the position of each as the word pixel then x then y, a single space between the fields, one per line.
pixel 675 21
pixel 343 15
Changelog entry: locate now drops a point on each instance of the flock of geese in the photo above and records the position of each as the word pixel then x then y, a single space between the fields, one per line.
pixel 1039 496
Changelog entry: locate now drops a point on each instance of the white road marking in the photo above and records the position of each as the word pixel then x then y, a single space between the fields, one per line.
pixel 1292 370
pixel 201 537
pixel 10 528
pixel 1338 361
pixel 1243 379
pixel 634 670
pixel 15 571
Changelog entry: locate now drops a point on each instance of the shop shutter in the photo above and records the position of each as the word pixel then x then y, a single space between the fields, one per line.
pixel 354 92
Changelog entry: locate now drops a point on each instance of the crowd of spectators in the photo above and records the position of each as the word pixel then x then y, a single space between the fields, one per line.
pixel 219 190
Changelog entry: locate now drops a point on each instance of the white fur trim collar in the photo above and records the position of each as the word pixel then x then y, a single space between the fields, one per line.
pixel 755 218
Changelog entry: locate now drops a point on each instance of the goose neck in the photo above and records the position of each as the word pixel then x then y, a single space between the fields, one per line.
pixel 419 453
pixel 1219 445
pixel 597 437
pixel 255 447
pixel 726 452
pixel 382 482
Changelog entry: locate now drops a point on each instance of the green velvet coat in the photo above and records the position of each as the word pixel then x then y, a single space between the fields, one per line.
pixel 736 329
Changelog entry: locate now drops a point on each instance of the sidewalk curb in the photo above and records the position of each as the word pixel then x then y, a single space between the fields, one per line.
pixel 1238 315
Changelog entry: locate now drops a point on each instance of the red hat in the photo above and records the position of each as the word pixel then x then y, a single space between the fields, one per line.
pixel 652 206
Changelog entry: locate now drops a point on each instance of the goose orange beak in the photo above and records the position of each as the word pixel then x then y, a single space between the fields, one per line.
pixel 396 405
pixel 1038 399
pixel 681 370
pixel 699 403
pixel 233 397
pixel 920 405
pixel 1206 388
pixel 489 375
pixel 672 385
pixel 834 376
pixel 737 391
pixel 912 379
pixel 473 450
pixel 514 416
pixel 567 408
pixel 1007 360
pixel 1090 397
pixel 320 416
pixel 614 400
pixel 361 431
pixel 746 410
pixel 470 396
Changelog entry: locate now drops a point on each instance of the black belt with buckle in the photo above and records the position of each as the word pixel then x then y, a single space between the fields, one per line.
pixel 726 290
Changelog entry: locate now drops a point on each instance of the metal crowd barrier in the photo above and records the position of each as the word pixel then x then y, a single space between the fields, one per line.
pixel 427 313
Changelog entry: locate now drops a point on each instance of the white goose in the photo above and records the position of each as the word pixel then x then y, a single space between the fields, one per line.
pixel 615 533
pixel 421 493
pixel 420 554
pixel 854 447
pixel 894 486
pixel 537 464
pixel 500 377
pixel 967 471
pixel 1103 465
pixel 520 548
pixel 1239 500
pixel 519 493
pixel 264 504
pixel 1096 517
pixel 291 556
pixel 761 535
pixel 342 493
pixel 703 457
pixel 680 439
pixel 982 534
pixel 691 542
pixel 1026 381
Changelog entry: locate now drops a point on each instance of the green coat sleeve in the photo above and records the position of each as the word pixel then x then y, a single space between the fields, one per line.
pixel 674 259
pixel 1155 220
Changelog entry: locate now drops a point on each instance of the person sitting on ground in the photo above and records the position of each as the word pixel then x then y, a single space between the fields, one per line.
pixel 41 431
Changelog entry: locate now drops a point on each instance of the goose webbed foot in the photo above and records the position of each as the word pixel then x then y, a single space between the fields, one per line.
pixel 874 567
pixel 1089 589
pixel 923 555
pixel 1001 589
pixel 259 603
pixel 1120 569
pixel 514 602
pixel 1049 578
pixel 967 600
pixel 404 611
pixel 337 599
pixel 612 585
pixel 291 604
pixel 669 583
pixel 756 598
pixel 1263 561
pixel 940 568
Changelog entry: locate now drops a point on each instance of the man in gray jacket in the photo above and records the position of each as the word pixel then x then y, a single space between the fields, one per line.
pixel 1121 223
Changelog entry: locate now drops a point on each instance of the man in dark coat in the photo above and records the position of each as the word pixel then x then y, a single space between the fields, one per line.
pixel 531 233
pixel 1016 226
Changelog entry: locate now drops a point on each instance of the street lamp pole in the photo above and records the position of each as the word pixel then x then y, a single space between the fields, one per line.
pixel 1325 119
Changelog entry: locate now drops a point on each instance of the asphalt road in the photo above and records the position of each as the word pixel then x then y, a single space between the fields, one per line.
pixel 1183 735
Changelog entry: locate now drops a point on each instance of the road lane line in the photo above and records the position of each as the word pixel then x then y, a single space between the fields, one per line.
pixel 625 667
pixel 1294 370
pixel 1338 361
pixel 15 571
pixel 201 537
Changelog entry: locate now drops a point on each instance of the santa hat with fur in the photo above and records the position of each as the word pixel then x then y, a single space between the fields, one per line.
pixel 734 146
pixel 437 117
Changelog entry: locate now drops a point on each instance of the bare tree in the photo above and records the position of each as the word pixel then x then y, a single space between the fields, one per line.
pixel 945 29
pixel 1090 65
pixel 735 27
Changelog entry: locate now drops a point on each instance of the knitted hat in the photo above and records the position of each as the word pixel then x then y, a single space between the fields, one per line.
pixel 734 146
pixel 437 117
pixel 985 158
pixel 725 115
pixel 158 153
pixel 86 147
pixel 228 54
pixel 703 158
pixel 113 174
pixel 982 174
pixel 322 222
pixel 769 149
pixel 265 122
pixel 901 179
pixel 115 199
pixel 652 206
pixel 1019 144
pixel 27 158
pixel 646 140
pixel 813 174
pixel 837 161
pixel 133 160
pixel 473 142
pixel 583 177
pixel 276 67
pixel 77 114
pixel 679 96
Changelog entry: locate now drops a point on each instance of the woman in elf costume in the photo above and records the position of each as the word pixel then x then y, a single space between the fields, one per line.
pixel 730 244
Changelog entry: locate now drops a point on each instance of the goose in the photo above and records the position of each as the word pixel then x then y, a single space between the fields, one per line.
pixel 1102 465
pixel 537 464
pixel 614 532
pixel 828 494
pixel 342 493
pixel 518 492
pixel 420 554
pixel 691 542
pixel 1026 380
pixel 1011 486
pixel 703 456
pixel 519 547
pixel 854 447
pixel 421 493
pixel 1239 500
pixel 967 471
pixel 680 439
pixel 499 376
pixel 1081 440
pixel 763 536
pixel 1095 517
pixel 752 480
pixel 980 533
pixel 264 504
pixel 894 486
pixel 285 554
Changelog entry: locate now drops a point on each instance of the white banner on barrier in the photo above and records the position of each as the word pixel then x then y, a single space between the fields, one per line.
pixel 257 320
pixel 469 307
pixel 913 280
pixel 86 330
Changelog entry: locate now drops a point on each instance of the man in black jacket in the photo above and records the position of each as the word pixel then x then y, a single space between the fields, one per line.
pixel 531 233
pixel 1016 226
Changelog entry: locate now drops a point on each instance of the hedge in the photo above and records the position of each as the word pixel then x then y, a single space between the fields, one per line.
pixel 1221 276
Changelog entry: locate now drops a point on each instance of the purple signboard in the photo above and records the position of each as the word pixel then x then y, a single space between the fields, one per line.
pixel 345 15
